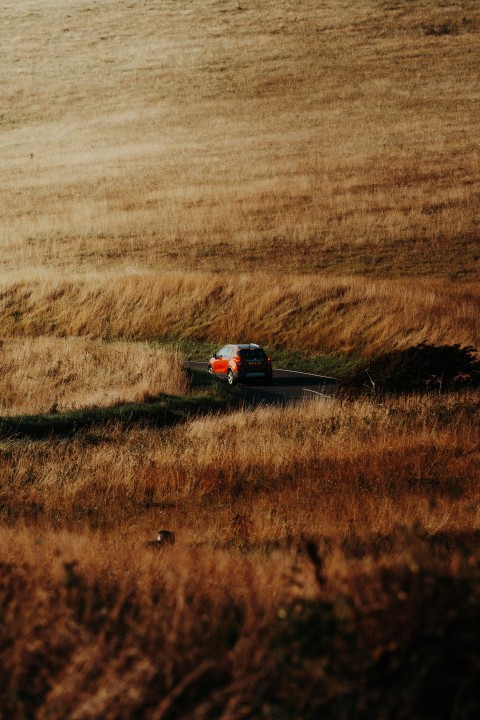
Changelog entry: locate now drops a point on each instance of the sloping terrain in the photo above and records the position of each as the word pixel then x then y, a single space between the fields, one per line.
pixel 304 175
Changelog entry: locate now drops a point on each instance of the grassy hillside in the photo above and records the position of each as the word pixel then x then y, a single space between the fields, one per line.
pixel 318 468
pixel 151 140
pixel 177 174
pixel 315 313
pixel 328 138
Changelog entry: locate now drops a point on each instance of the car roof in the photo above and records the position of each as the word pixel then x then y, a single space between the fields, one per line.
pixel 242 346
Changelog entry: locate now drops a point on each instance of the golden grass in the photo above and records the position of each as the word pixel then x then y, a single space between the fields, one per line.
pixel 312 469
pixel 121 626
pixel 51 374
pixel 310 137
pixel 94 630
pixel 95 624
pixel 154 140
pixel 261 478
pixel 299 174
pixel 348 314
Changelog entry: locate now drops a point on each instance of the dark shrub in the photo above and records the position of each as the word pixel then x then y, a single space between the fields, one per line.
pixel 421 368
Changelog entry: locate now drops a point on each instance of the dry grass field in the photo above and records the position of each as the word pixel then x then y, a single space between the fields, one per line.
pixel 305 175
pixel 318 468
pixel 236 620
pixel 40 375
pixel 141 140
pixel 316 313
pixel 213 136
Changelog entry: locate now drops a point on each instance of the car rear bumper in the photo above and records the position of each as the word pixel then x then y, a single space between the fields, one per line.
pixel 252 374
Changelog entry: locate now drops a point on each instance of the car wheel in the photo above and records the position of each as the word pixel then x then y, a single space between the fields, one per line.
pixel 230 378
pixel 210 369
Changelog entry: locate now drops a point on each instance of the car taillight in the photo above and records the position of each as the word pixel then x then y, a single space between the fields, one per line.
pixel 269 360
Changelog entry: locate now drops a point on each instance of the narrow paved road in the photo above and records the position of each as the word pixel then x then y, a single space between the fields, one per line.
pixel 287 386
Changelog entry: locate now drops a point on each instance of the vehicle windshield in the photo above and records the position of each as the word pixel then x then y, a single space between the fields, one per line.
pixel 251 353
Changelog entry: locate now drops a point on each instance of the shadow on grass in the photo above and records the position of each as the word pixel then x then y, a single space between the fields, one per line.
pixel 162 411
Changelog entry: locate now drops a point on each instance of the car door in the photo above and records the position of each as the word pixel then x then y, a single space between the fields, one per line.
pixel 225 360
pixel 220 364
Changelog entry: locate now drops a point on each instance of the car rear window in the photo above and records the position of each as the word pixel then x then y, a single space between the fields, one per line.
pixel 251 353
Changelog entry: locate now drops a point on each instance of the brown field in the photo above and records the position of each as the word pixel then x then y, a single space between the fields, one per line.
pixel 316 313
pixel 305 175
pixel 315 468
pixel 41 374
pixel 390 488
pixel 320 138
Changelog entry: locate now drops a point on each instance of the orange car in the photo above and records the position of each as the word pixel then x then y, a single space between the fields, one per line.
pixel 241 362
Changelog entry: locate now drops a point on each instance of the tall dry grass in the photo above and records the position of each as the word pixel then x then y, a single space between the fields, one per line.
pixel 45 374
pixel 321 469
pixel 301 174
pixel 242 616
pixel 91 629
pixel 348 314
pixel 141 142
pixel 102 631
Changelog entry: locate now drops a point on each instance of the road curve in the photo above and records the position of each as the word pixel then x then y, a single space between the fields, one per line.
pixel 287 386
